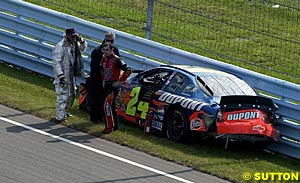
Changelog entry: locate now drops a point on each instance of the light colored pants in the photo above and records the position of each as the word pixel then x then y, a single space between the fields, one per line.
pixel 64 100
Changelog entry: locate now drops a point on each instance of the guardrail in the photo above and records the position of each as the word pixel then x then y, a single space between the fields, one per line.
pixel 29 32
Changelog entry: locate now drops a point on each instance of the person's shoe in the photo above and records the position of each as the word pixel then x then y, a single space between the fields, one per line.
pixel 68 115
pixel 116 128
pixel 54 120
pixel 107 130
pixel 95 120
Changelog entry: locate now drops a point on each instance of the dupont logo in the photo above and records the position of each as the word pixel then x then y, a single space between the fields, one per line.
pixel 243 115
pixel 184 102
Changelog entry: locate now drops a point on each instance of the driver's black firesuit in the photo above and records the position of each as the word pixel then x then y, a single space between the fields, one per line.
pixel 112 66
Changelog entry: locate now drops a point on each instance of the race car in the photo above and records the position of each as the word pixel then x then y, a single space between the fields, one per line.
pixel 181 99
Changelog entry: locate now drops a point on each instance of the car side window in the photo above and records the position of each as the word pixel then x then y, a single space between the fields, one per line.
pixel 190 90
pixel 156 78
pixel 177 84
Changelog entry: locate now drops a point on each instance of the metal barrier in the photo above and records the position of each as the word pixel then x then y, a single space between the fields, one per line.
pixel 29 32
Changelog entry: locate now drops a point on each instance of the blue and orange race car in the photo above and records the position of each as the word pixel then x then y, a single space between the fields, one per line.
pixel 180 99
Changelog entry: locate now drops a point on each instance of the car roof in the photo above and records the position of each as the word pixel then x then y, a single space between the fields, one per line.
pixel 199 71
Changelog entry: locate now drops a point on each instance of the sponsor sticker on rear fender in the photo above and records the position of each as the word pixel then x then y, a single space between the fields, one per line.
pixel 196 124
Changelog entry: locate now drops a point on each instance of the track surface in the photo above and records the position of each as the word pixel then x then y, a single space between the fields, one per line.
pixel 34 150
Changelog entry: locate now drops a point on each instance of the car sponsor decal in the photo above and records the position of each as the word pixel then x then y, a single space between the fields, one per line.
pixel 156 124
pixel 107 109
pixel 195 124
pixel 259 128
pixel 160 112
pixel 135 105
pixel 184 102
pixel 243 115
pixel 189 90
pixel 170 78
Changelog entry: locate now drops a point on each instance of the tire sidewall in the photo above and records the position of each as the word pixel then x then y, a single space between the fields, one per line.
pixel 169 126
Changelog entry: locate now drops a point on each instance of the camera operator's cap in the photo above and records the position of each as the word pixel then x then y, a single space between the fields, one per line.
pixel 71 32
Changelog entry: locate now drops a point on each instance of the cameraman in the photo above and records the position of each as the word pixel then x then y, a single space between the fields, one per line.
pixel 63 66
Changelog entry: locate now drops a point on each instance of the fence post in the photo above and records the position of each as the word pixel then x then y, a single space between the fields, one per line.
pixel 150 15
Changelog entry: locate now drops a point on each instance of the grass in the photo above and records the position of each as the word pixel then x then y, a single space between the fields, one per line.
pixel 34 94
pixel 252 35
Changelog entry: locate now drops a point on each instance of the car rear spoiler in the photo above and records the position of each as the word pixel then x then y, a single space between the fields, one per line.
pixel 240 102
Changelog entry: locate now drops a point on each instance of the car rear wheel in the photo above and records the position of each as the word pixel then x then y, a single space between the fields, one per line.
pixel 177 125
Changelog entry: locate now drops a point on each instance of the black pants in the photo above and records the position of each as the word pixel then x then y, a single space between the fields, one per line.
pixel 96 100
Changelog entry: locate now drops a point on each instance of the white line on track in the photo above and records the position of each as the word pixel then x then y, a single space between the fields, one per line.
pixel 96 150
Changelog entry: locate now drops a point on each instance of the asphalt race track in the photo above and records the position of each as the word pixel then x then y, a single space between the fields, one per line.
pixel 33 150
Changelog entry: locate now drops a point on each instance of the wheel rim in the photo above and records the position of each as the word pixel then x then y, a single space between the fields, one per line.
pixel 175 125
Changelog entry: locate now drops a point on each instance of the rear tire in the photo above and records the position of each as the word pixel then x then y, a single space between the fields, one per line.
pixel 177 128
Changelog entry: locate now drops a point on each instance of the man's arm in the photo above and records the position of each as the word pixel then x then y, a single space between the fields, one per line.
pixel 125 68
pixel 57 58
pixel 116 51
pixel 95 59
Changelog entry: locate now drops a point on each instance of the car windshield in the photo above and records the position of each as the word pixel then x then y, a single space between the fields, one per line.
pixel 224 85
